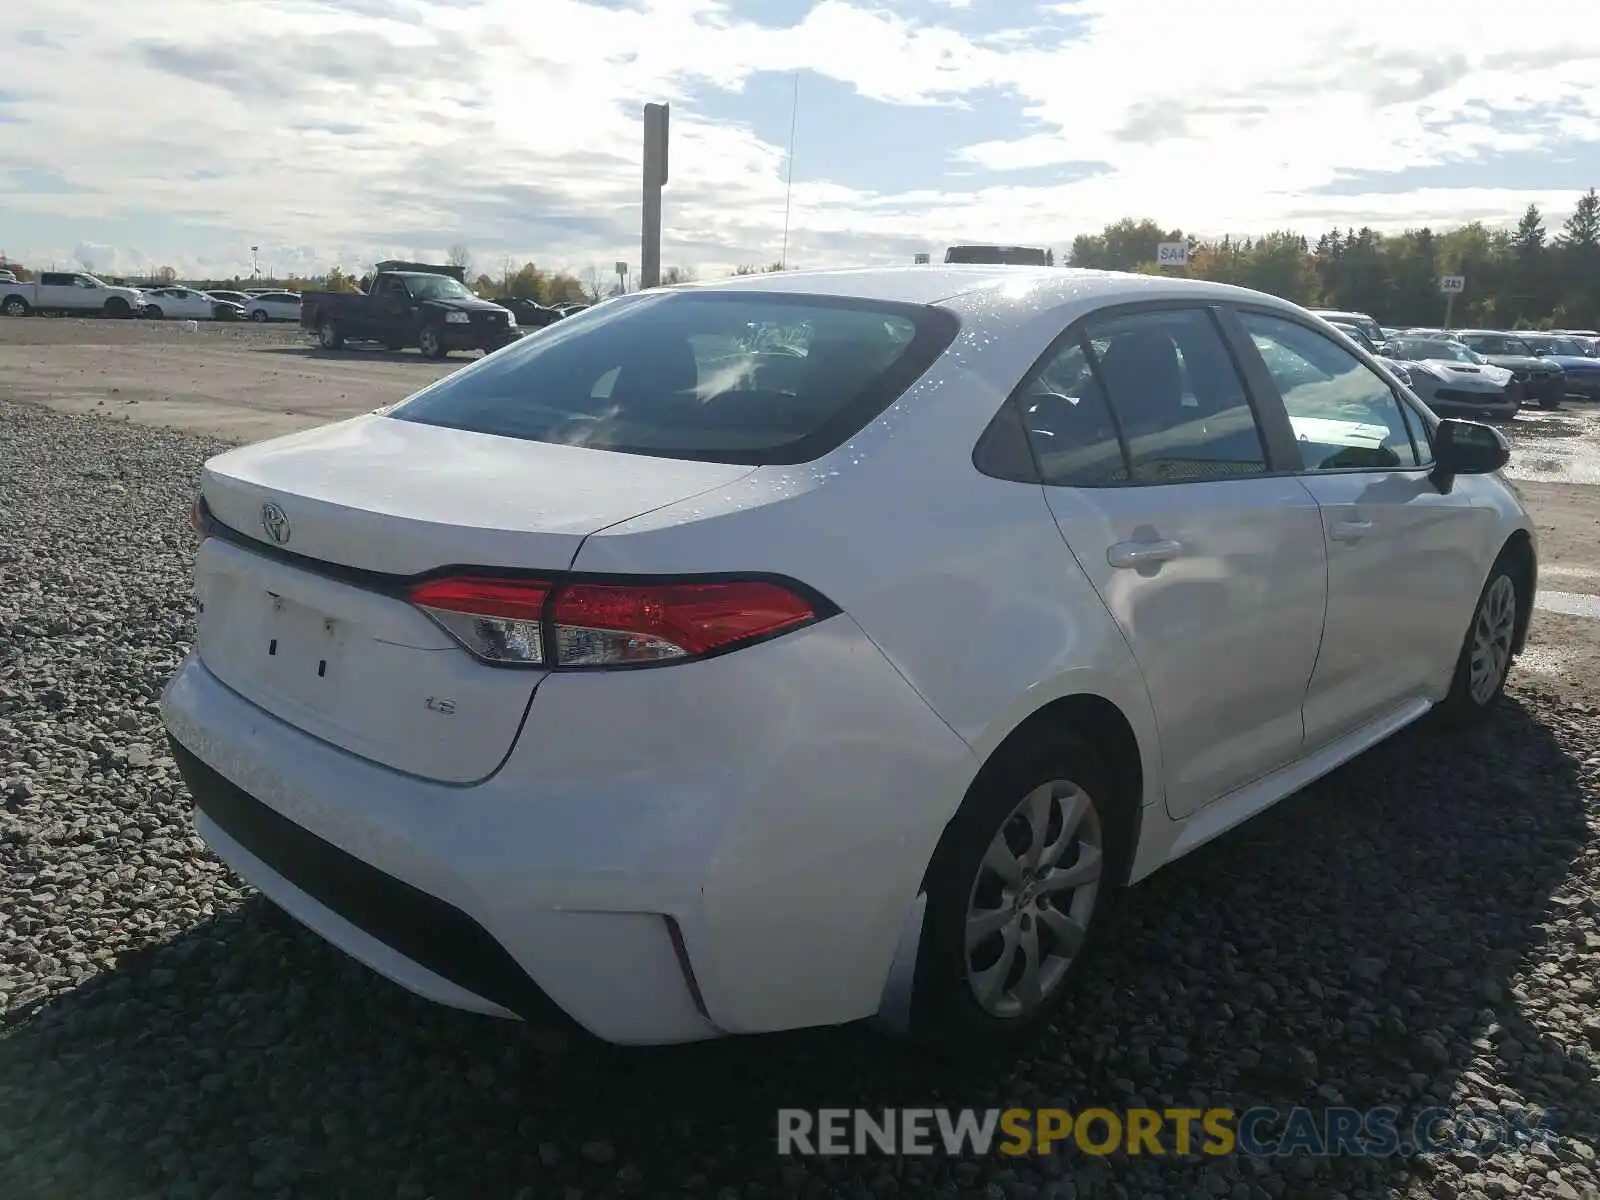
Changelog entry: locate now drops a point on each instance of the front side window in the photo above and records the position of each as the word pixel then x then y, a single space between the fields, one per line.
pixel 1420 433
pixel 737 377
pixel 1345 417
pixel 1178 399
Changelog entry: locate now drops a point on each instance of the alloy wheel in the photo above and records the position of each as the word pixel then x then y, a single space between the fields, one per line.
pixel 1492 633
pixel 1033 898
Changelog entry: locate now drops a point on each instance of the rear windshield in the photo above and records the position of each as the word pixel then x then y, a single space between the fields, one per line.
pixel 736 377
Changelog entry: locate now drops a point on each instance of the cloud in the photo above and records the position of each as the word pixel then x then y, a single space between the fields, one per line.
pixel 324 131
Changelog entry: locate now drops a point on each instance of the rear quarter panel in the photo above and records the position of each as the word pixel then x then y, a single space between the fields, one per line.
pixel 961 580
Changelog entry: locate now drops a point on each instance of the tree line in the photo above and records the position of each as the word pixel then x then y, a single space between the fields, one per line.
pixel 1528 276
pixel 1524 277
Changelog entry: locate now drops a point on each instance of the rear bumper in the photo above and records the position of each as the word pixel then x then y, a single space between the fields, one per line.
pixel 668 855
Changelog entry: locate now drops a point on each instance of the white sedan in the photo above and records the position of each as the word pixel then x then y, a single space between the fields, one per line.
pixel 273 306
pixel 703 689
pixel 181 303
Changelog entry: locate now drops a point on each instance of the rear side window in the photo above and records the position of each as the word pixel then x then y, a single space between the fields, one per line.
pixel 1070 427
pixel 737 377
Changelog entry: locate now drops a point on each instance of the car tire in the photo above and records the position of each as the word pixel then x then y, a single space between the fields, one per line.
pixel 154 313
pixel 992 916
pixel 1486 651
pixel 329 337
pixel 431 342
pixel 15 306
pixel 259 316
pixel 118 308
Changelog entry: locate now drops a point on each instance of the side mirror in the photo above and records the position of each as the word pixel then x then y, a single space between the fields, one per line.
pixel 1467 448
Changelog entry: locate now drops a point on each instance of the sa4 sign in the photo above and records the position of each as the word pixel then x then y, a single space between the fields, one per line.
pixel 1172 254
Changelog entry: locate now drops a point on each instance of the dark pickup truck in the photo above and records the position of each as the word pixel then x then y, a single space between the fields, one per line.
pixel 429 309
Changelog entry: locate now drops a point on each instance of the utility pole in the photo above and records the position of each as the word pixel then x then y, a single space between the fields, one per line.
pixel 655 178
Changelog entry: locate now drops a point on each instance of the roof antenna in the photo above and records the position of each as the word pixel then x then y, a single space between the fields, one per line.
pixel 788 189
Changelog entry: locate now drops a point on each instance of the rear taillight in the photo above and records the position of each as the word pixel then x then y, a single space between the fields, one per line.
pixel 197 517
pixel 532 622
pixel 498 620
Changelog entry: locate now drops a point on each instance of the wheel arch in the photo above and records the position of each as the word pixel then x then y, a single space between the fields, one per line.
pixel 1519 554
pixel 1106 728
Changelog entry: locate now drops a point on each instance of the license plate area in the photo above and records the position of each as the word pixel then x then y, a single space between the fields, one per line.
pixel 300 652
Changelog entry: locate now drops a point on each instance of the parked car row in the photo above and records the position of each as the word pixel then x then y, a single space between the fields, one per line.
pixel 79 293
pixel 193 304
pixel 1481 372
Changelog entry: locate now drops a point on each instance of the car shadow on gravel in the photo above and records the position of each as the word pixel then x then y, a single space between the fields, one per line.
pixel 1380 939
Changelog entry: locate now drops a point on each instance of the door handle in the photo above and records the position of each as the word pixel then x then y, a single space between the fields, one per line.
pixel 1349 531
pixel 1140 554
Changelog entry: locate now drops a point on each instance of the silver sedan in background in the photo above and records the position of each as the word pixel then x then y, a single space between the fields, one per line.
pixel 1452 379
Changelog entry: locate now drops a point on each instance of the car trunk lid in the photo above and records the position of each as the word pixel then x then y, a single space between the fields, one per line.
pixel 302 598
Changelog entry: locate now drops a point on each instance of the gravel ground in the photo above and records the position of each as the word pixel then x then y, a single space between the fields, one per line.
pixel 82 331
pixel 1420 928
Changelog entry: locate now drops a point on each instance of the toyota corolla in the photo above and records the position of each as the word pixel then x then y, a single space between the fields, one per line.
pixel 818 646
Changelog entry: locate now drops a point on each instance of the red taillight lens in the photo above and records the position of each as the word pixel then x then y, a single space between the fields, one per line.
pixel 607 625
pixel 496 619
pixel 613 624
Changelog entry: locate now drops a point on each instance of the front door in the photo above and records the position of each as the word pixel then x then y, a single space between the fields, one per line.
pixel 1212 566
pixel 1403 559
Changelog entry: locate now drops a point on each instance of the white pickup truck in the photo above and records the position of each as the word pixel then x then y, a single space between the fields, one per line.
pixel 68 292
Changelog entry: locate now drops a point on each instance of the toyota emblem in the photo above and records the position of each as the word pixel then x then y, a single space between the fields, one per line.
pixel 276 523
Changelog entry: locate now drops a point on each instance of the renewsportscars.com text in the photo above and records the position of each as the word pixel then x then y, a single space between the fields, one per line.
pixel 1254 1132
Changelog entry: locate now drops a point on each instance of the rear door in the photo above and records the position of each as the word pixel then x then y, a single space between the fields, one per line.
pixel 1162 483
pixel 1405 563
pixel 54 290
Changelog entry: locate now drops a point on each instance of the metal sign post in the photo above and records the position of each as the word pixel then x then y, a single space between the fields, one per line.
pixel 1452 286
pixel 655 178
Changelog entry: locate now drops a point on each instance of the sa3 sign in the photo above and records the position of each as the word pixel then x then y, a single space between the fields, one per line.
pixel 1172 254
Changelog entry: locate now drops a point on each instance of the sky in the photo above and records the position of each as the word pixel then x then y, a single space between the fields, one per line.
pixel 145 133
